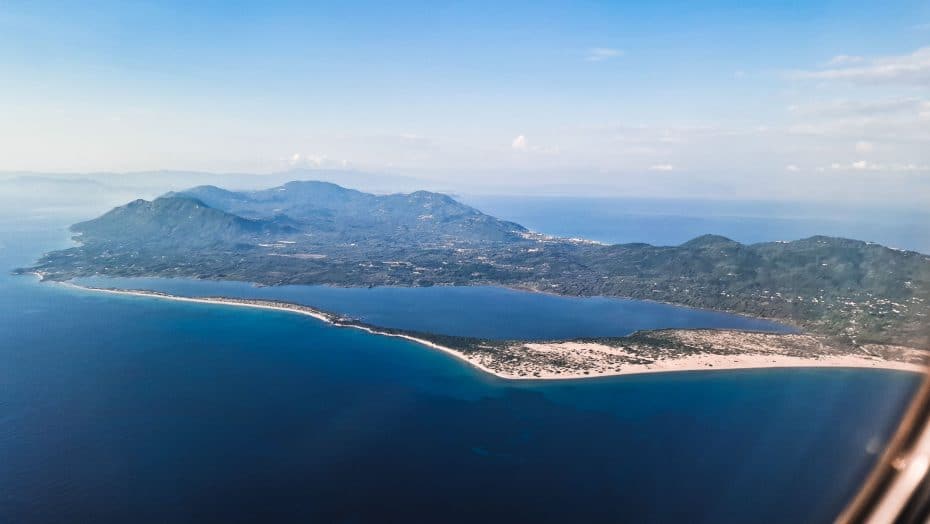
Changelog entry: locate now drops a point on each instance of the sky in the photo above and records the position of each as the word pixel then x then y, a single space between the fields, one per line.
pixel 793 100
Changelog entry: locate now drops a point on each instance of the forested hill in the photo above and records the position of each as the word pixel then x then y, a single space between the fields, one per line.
pixel 327 209
pixel 321 233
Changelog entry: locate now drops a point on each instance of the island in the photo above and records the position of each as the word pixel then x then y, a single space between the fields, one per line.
pixel 856 303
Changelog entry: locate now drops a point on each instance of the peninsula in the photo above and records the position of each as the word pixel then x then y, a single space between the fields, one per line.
pixel 642 352
pixel 857 303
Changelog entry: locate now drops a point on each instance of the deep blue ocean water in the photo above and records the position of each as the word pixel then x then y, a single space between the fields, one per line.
pixel 128 409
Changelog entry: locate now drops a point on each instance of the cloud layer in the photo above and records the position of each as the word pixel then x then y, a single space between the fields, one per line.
pixel 600 54
pixel 908 69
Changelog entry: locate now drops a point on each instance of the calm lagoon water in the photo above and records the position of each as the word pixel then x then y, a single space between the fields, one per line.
pixel 127 409
pixel 487 312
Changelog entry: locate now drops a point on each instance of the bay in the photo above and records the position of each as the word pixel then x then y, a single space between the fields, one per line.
pixel 120 408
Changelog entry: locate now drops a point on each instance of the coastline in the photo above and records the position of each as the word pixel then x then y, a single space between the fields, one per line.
pixel 788 323
pixel 795 325
pixel 317 314
pixel 685 363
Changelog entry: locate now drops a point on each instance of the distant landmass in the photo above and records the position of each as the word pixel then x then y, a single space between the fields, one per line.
pixel 320 233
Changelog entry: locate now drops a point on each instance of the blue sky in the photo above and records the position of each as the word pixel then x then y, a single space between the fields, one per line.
pixel 783 97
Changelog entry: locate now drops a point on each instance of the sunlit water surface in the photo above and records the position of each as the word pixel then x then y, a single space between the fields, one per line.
pixel 128 409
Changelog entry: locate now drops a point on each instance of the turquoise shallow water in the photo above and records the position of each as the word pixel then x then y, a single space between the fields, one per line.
pixel 116 409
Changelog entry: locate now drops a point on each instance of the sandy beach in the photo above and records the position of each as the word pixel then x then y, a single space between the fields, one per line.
pixel 712 362
pixel 565 360
pixel 280 306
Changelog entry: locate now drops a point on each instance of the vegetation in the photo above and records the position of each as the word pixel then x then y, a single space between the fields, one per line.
pixel 320 233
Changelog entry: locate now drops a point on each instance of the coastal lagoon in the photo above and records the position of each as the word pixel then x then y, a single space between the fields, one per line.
pixel 474 311
pixel 119 408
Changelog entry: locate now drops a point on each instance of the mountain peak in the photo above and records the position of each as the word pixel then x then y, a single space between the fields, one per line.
pixel 328 210
pixel 312 185
pixel 174 219
pixel 710 241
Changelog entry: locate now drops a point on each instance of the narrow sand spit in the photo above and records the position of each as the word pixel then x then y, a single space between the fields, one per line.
pixel 687 350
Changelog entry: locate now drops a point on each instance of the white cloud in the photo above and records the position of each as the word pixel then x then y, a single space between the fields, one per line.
pixel 302 160
pixel 864 147
pixel 793 168
pixel 662 167
pixel 600 54
pixel 842 60
pixel 894 123
pixel 859 108
pixel 520 143
pixel 910 69
pixel 865 165
pixel 888 130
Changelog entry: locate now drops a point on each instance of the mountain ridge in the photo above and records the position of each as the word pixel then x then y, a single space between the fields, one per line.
pixel 324 206
pixel 321 233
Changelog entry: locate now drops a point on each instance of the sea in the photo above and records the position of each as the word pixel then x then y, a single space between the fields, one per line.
pixel 670 222
pixel 129 409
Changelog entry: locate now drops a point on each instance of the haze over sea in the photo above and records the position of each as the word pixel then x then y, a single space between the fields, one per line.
pixel 116 409
pixel 669 222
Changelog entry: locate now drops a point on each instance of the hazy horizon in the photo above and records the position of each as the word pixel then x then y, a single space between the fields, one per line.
pixel 598 216
pixel 149 184
pixel 808 101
